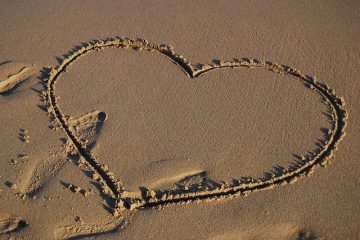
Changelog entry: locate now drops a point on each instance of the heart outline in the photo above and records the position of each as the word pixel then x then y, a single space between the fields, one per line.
pixel 117 192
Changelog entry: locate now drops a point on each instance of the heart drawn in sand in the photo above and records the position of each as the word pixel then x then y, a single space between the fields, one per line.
pixel 149 198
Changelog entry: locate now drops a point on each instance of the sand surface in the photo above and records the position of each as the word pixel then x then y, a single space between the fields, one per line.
pixel 179 120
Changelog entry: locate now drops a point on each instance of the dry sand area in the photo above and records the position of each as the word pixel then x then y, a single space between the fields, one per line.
pixel 210 120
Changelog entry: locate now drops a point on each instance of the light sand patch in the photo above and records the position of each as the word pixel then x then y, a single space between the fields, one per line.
pixel 284 231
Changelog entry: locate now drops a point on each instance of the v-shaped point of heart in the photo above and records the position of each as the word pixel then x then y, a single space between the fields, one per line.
pixel 123 199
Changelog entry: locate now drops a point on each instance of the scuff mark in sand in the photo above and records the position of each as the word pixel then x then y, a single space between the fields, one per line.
pixel 10 223
pixel 12 74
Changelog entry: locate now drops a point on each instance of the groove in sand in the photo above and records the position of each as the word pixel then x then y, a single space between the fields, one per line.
pixel 241 187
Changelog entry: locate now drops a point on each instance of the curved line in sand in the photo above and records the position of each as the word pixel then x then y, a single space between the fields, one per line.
pixel 108 180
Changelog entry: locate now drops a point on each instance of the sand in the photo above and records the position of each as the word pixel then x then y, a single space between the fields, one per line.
pixel 158 120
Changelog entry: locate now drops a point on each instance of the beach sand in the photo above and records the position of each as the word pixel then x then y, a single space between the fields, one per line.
pixel 179 120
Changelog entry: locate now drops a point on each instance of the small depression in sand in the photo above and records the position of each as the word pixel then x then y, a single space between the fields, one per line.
pixel 163 127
